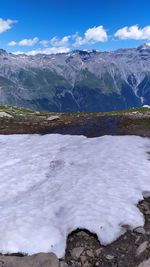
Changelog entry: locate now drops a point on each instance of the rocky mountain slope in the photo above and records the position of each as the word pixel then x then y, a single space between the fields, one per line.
pixel 77 81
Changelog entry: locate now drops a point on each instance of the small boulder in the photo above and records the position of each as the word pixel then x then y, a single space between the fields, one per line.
pixel 109 257
pixel 90 253
pixel 53 117
pixel 98 252
pixel 139 230
pixel 5 114
pixel 142 247
pixel 37 260
pixel 76 252
pixel 63 264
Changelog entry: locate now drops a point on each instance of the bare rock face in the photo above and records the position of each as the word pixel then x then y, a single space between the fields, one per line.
pixel 37 260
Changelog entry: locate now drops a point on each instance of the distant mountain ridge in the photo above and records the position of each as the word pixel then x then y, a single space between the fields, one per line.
pixel 87 81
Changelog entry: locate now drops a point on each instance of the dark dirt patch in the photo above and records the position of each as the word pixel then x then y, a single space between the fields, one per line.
pixel 80 125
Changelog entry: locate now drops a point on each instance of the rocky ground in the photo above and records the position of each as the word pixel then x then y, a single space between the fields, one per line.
pixel 15 120
pixel 83 248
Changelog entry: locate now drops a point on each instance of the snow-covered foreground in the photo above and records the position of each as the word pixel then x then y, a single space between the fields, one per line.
pixel 53 184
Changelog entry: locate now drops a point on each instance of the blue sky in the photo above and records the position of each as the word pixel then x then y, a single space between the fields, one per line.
pixel 34 26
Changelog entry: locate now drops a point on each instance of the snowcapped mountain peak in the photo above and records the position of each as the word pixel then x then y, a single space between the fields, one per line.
pixel 145 46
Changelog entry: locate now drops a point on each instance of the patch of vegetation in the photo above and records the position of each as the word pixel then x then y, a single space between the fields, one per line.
pixel 142 110
pixel 41 79
pixel 90 80
pixel 20 111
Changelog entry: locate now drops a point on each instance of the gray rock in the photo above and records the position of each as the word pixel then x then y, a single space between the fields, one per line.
pixel 76 252
pixel 37 260
pixel 5 114
pixel 86 264
pixel 145 263
pixel 142 247
pixel 83 259
pixel 63 264
pixel 98 252
pixel 83 233
pixel 90 253
pixel 109 257
pixel 52 118
pixel 137 239
pixel 139 230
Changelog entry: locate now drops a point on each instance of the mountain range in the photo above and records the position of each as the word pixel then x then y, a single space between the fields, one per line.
pixel 77 81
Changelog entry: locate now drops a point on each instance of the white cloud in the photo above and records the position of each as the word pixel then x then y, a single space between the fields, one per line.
pixel 57 42
pixel 12 43
pixel 60 42
pixel 133 32
pixel 25 42
pixel 45 43
pixel 28 42
pixel 92 36
pixel 59 45
pixel 48 50
pixel 6 24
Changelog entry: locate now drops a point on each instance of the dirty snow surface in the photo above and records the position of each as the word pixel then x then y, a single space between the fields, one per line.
pixel 50 185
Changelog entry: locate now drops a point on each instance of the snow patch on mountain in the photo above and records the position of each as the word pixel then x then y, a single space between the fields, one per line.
pixel 53 184
pixel 146 106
